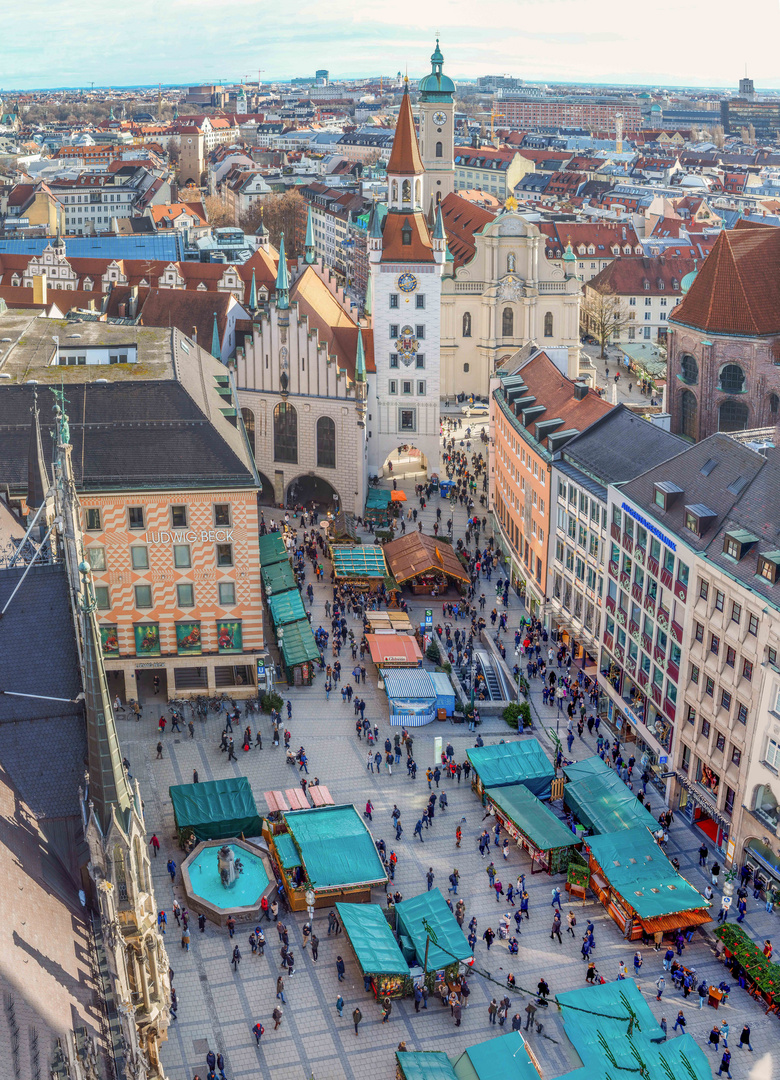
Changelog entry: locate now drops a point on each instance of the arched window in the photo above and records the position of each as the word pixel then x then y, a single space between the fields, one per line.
pixel 286 433
pixel 688 410
pixel 732 379
pixel 507 322
pixel 689 369
pixel 766 808
pixel 406 191
pixel 439 150
pixel 548 324
pixel 774 403
pixel 732 416
pixel 394 190
pixel 249 426
pixel 326 443
pixel 467 324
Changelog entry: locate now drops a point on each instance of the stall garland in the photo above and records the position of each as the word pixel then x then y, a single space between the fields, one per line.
pixel 762 971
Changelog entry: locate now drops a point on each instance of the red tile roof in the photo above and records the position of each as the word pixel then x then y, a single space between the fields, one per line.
pixel 462 219
pixel 334 324
pixel 393 247
pixel 737 290
pixel 553 390
pixel 405 157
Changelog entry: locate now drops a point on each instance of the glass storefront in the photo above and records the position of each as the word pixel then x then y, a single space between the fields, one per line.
pixel 764 859
pixel 697 808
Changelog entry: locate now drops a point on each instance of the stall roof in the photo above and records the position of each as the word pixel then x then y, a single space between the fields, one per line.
pixel 441 684
pixel 588 1022
pixel 369 932
pixel 408 683
pixel 522 761
pixel 287 607
pixel 277 578
pixel 425 1065
pixel 287 851
pixel 532 817
pixel 637 868
pixel 378 499
pixel 505 1056
pixel 430 908
pixel 297 644
pixel 394 649
pixel 336 846
pixel 361 561
pixel 216 808
pixel 415 554
pixel 601 800
pixel 272 549
pixel 342 526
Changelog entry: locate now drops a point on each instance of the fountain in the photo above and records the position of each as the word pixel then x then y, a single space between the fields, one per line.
pixel 227 877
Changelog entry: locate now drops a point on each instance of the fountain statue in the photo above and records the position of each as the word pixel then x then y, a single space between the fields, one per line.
pixel 227 866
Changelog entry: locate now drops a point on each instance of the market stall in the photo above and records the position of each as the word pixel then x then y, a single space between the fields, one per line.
pixel 394 650
pixel 439 952
pixel 389 622
pixel 286 607
pixel 411 695
pixel 534 826
pixel 599 799
pixel 640 888
pixel 379 508
pixel 445 694
pixel 522 761
pixel 277 577
pixel 215 809
pixel 272 549
pixel 376 949
pixel 299 652
pixel 428 565
pixel 364 567
pixel 342 529
pixel 507 1056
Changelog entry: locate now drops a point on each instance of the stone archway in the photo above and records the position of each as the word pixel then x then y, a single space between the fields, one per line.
pixel 265 495
pixel 406 460
pixel 310 488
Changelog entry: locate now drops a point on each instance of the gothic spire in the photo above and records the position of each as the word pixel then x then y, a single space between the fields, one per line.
pixel 310 252
pixel 253 295
pixel 405 157
pixel 282 279
pixel 438 230
pixel 108 784
pixel 37 474
pixel 360 359
pixel 216 349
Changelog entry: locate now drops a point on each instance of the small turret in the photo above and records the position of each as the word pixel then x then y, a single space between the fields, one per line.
pixel 253 295
pixel 216 348
pixel 439 237
pixel 569 261
pixel 310 252
pixel 282 279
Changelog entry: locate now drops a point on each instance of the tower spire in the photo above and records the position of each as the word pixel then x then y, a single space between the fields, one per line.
pixel 253 295
pixel 405 157
pixel 37 474
pixel 310 252
pixel 216 350
pixel 360 359
pixel 282 279
pixel 108 784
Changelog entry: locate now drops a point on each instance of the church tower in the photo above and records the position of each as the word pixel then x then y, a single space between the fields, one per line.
pixel 437 131
pixel 406 263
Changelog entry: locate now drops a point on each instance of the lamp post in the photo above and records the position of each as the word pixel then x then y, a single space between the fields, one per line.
pixel 310 899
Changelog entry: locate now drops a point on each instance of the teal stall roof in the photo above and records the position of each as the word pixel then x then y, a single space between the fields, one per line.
pixel 522 761
pixel 505 1056
pixel 216 809
pixel 287 851
pixel 336 846
pixel 431 908
pixel 360 561
pixel 600 799
pixel 272 549
pixel 422 1065
pixel 277 578
pixel 297 644
pixel 377 951
pixel 532 817
pixel 287 607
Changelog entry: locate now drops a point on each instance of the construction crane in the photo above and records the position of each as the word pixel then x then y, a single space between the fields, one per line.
pixel 493 117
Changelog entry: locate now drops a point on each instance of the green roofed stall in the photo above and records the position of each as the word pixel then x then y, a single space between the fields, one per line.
pixel 601 801
pixel 365 561
pixel 215 809
pixel 277 578
pixel 336 848
pixel 272 549
pixel 299 651
pixel 425 1065
pixel 286 851
pixel 518 762
pixel 287 607
pixel 378 505
pixel 637 884
pixel 505 1056
pixel 430 908
pixel 534 826
pixel 376 949
pixel 596 1020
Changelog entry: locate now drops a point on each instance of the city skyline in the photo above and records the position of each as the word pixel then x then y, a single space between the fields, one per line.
pixel 522 41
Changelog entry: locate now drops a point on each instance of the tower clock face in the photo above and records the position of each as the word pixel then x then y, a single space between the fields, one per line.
pixel 407 283
pixel 439 118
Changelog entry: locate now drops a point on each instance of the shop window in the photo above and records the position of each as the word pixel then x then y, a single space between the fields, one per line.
pixel 766 807
pixel 92 517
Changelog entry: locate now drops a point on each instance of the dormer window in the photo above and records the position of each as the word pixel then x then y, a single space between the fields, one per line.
pixel 665 493
pixel 768 564
pixel 737 542
pixel 698 518
pixel 406 234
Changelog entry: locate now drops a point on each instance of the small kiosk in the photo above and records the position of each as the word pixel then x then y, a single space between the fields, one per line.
pixel 376 949
pixel 534 826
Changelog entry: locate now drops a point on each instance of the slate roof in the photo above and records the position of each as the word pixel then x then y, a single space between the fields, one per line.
pixel 620 445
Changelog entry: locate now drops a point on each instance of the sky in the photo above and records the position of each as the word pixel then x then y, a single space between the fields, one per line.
pixel 48 43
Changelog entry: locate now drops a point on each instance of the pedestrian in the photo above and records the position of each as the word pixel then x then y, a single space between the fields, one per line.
pixel 637 961
pixel 258 1031
pixel 590 975
pixel 236 958
pixel 185 939
pixel 725 1063
pixel 280 989
pixel 556 897
pixel 660 986
pixel 277 1017
pixel 315 946
pixel 725 903
pixel 703 992
pixel 663 1027
pixel 202 923
pixel 340 968
pixel 530 1012
pixel 172 870
pixel 357 1016
pixel 387 1008
pixel 492 1011
pixel 571 919
pixel 155 844
pixel 488 937
pixel 680 1022
pixel 744 1039
pixel 457 1013
pixel 556 928
pixel 458 836
pixel 340 1005
pixel 429 878
pixel 724 1032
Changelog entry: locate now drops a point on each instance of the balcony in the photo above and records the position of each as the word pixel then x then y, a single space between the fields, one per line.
pixel 652 566
pixel 636 592
pixel 677 631
pixel 628 542
pixel 666 578
pixel 680 590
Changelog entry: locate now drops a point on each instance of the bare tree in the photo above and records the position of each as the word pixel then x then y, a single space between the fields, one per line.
pixel 603 314
pixel 282 214
pixel 174 150
pixel 718 135
pixel 217 212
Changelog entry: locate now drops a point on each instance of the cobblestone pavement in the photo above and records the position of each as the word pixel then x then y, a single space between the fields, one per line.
pixel 218 1008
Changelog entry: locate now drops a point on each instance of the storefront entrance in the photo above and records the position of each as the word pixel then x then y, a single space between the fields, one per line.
pixel 700 813
pixel 144 684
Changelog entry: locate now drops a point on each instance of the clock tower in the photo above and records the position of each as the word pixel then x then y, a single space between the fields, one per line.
pixel 407 262
pixel 437 131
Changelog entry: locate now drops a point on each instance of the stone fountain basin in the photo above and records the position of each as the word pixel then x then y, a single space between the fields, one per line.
pixel 205 893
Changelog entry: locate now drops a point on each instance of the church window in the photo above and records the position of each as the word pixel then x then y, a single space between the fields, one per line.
pixel 467 324
pixel 394 196
pixel 548 324
pixel 732 416
pixel 326 443
pixel 774 401
pixel 286 433
pixel 688 410
pixel 249 426
pixel 439 150
pixel 732 379
pixel 507 322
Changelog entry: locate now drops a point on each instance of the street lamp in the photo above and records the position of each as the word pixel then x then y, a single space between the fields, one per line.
pixel 310 898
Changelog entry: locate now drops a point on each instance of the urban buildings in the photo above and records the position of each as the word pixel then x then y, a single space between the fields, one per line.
pixel 641 291
pixel 595 114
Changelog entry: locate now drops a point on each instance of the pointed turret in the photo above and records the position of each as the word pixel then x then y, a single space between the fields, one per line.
pixel 109 788
pixel 282 279
pixel 569 261
pixel 360 359
pixel 253 295
pixel 216 348
pixel 439 238
pixel 310 252
pixel 405 157
pixel 37 474
pixel 261 232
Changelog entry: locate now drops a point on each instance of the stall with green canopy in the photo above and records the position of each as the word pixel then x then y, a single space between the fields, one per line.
pixel 446 945
pixel 299 651
pixel 598 798
pixel 215 809
pixel 285 608
pixel 535 827
pixel 375 948
pixel 277 578
pixel 272 549
pixel 522 761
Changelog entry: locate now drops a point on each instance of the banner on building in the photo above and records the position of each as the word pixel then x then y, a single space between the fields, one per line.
pixel 147 639
pixel 229 638
pixel 109 642
pixel 188 641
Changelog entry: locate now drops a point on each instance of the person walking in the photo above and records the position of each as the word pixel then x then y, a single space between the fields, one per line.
pixel 725 1063
pixel 556 928
pixel 340 1005
pixel 155 844
pixel 340 968
pixel 258 1031
pixel 387 1008
pixel 744 1039
pixel 236 958
pixel 454 880
pixel 725 904
pixel 530 1013
pixel 590 975
pixel 429 878
pixel 660 984
pixel 556 897
pixel 280 990
pixel 492 1011
pixel 357 1016
pixel 680 1022
pixel 315 946
pixel 277 1017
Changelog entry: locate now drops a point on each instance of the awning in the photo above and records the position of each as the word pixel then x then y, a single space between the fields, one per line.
pixel 320 795
pixel 337 848
pixel 272 549
pixel 277 578
pixel 296 799
pixel 297 644
pixel 429 911
pixel 373 941
pixel 399 649
pixel 287 607
pixel 532 818
pixel 522 761
pixel 362 560
pixel 287 851
pixel 397 496
pixel 274 800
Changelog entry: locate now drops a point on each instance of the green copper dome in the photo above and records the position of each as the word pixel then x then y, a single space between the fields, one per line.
pixel 436 86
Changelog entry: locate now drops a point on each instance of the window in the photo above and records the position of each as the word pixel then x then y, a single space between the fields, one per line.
pixel 719 598
pixel 767 569
pixel 467 324
pixel 181 556
pixel 732 547
pixel 732 379
pixel 733 416
pixel 286 433
pixel 648 302
pixel 747 670
pixel 714 644
pixel 222 515
pixel 705 728
pixel 102 598
pixel 393 300
pixel 419 331
pixel 439 150
pixel 406 231
pixel 227 593
pixel 698 631
pixel 249 427
pixel 704 589
pixel 731 656
pixel 392 387
pixel 694 674
pixel 421 387
pixel 720 742
pixel 742 714
pixel 753 625
pixel 685 763
pixel 143 596
pixel 709 687
pixel 96 556
pixel 507 322
pixel 736 755
pixel 326 443
pixel 772 755
pixel 179 517
pixel 393 360
pixel 548 324
pixel 728 805
pixel 185 596
pixel 725 700
pixel 689 369
pixel 771 655
pixel 420 362
pixel 135 516
pixel 406 386
pixel 690 715
pixel 688 414
pixel 224 554
pixel 139 558
pixel 407 419
pixel 691 522
pixel 393 330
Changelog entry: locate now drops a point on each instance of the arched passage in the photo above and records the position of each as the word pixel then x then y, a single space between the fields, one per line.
pixel 309 488
pixel 405 460
pixel 265 495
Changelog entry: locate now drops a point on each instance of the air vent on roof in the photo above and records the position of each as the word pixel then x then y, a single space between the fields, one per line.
pixel 6 339
pixel 101 380
pixel 708 466
pixel 4 375
pixel 32 382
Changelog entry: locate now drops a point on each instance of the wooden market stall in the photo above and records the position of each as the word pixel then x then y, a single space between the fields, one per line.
pixel 534 826
pixel 363 566
pixel 376 949
pixel 394 650
pixel 426 564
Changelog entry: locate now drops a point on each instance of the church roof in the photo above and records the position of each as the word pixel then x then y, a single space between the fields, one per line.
pixel 405 157
pixel 334 324
pixel 462 219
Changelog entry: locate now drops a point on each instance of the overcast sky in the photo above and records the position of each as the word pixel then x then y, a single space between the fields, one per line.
pixel 58 42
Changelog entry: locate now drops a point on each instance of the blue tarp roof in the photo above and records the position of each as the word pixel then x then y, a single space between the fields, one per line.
pixel 442 685
pixel 409 684
pixel 522 761
pixel 159 246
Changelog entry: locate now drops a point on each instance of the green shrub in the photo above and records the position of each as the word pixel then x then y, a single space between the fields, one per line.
pixel 518 715
pixel 432 652
pixel 271 701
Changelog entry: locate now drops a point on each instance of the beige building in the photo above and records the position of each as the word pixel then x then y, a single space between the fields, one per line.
pixel 499 293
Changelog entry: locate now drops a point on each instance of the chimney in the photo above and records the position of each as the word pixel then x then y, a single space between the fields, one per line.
pixel 132 305
pixel 194 334
pixel 580 389
pixel 40 288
